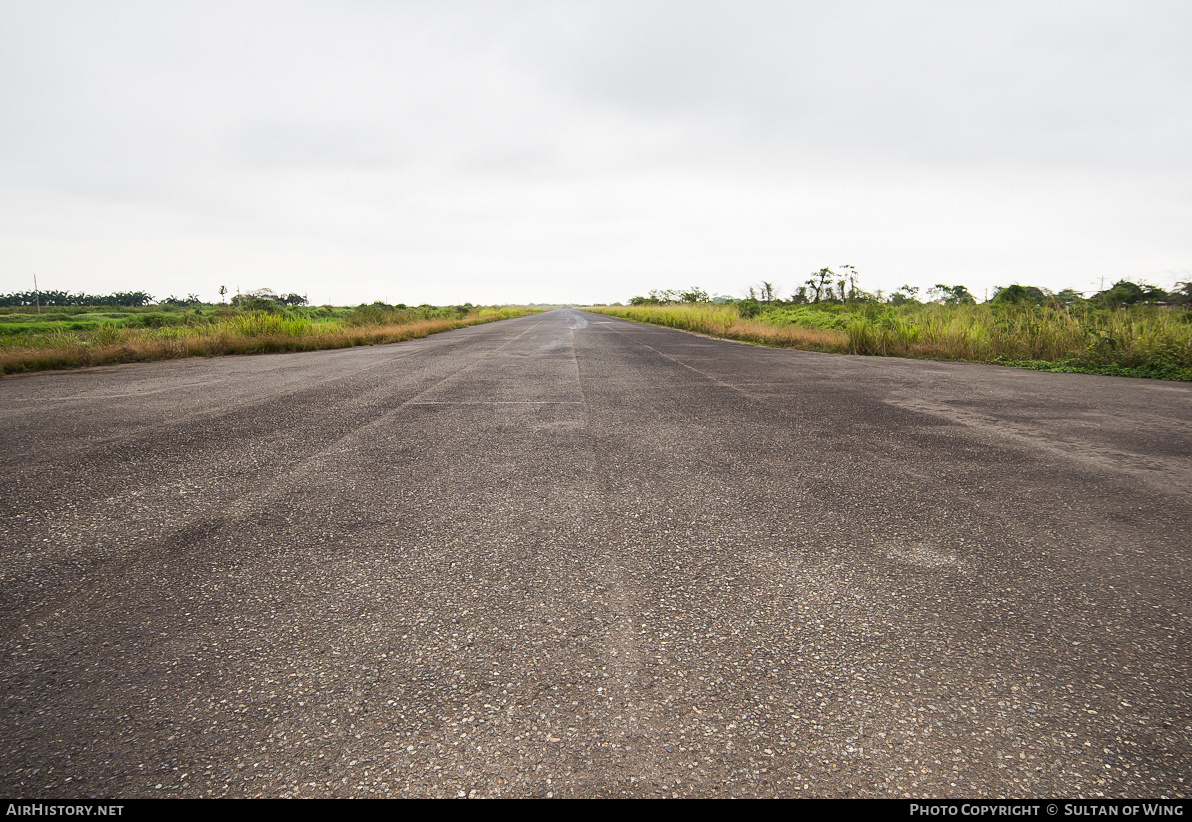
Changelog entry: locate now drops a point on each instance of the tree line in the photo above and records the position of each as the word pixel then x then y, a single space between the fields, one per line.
pixel 137 299
pixel 130 299
pixel 831 287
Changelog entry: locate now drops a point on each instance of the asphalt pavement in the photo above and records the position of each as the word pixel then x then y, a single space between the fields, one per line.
pixel 569 555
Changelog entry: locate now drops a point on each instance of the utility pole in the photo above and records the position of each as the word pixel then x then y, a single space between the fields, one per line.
pixel 36 294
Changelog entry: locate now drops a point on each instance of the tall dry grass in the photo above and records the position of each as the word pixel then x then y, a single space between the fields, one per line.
pixel 725 321
pixel 1140 341
pixel 248 332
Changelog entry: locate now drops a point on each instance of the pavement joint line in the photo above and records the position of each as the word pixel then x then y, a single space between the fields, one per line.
pixel 704 374
pixel 501 402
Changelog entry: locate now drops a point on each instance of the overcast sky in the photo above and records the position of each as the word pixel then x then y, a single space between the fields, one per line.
pixel 588 151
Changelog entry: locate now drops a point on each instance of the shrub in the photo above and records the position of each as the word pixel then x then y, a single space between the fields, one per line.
pixel 749 308
pixel 107 334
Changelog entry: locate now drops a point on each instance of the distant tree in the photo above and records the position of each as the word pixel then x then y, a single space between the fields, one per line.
pixel 1068 297
pixel 1126 293
pixel 1122 293
pixel 905 294
pixel 820 283
pixel 188 300
pixel 270 296
pixel 952 294
pixel 1154 294
pixel 1181 294
pixel 664 296
pixel 223 290
pixel 853 294
pixel 12 300
pixel 65 298
pixel 695 294
pixel 1019 294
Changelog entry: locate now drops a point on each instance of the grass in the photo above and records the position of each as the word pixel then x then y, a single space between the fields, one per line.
pixel 110 336
pixel 1142 341
pixel 725 321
